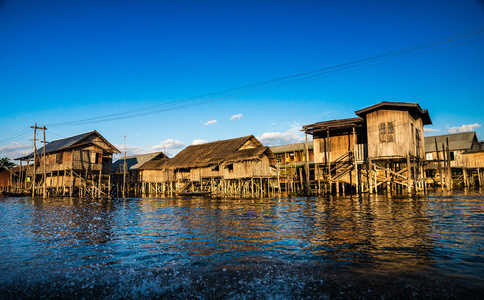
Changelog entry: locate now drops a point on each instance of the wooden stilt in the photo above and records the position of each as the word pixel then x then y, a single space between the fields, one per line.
pixel 409 175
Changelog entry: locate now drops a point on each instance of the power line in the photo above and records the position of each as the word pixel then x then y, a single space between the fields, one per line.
pixel 405 53
pixel 385 58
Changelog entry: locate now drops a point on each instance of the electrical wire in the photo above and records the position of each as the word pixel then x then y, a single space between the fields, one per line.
pixel 377 60
pixel 285 81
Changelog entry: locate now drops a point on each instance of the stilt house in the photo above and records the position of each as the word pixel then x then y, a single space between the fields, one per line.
pixel 382 147
pixel 126 171
pixel 234 166
pixel 5 179
pixel 291 161
pixel 445 158
pixel 77 165
pixel 474 165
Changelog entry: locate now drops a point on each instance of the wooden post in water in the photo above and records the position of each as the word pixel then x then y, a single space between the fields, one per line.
pixel 438 162
pixel 409 175
pixel 370 173
pixel 35 159
pixel 306 161
pixel 449 169
pixel 44 187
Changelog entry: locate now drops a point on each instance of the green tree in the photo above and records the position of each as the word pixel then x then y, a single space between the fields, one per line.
pixel 7 163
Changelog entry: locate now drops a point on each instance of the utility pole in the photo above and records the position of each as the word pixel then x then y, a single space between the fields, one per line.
pixel 35 127
pixel 35 159
pixel 124 167
pixel 44 189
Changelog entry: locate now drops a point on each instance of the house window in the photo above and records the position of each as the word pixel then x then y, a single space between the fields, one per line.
pixel 321 145
pixel 387 132
pixel 418 140
pixel 453 155
pixel 59 158
pixel 94 157
pixel 429 156
pixel 279 158
pixel 230 168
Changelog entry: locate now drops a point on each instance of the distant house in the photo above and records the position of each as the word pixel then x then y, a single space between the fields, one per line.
pixel 458 158
pixel 222 167
pixel 5 179
pixel 127 170
pixel 79 164
pixel 291 160
pixel 376 149
pixel 458 144
pixel 474 164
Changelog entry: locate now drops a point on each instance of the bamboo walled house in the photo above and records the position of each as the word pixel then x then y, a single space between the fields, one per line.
pixel 382 148
pixel 454 159
pixel 77 165
pixel 5 179
pixel 291 165
pixel 474 165
pixel 126 171
pixel 228 167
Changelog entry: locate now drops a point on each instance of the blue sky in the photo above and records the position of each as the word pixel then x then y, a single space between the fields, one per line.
pixel 63 61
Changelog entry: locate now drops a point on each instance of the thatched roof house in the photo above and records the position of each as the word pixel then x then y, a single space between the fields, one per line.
pixel 220 152
pixel 234 158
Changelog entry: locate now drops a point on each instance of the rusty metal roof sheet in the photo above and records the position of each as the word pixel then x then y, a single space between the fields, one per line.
pixel 291 147
pixel 333 124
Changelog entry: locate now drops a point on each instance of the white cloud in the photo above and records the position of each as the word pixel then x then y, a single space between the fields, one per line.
pixel 236 117
pixel 15 149
pixel 170 147
pixel 198 142
pixel 464 128
pixel 431 130
pixel 210 122
pixel 281 138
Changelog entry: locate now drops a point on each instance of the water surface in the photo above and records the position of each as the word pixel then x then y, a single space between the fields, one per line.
pixel 281 248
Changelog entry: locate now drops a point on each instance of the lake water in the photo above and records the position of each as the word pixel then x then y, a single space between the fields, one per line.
pixel 210 248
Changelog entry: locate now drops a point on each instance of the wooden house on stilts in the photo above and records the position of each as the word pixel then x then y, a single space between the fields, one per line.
pixel 381 149
pixel 126 172
pixel 454 160
pixel 240 166
pixel 77 165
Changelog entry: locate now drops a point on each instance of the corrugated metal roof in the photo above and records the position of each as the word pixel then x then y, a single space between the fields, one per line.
pixel 476 147
pixel 334 124
pixel 65 143
pixel 134 162
pixel 291 147
pixel 60 144
pixel 457 141
pixel 409 106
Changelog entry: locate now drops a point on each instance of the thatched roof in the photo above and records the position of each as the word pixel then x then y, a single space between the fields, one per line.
pixel 220 152
pixel 155 164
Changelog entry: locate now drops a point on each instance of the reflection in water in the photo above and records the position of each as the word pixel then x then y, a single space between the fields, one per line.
pixel 229 248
